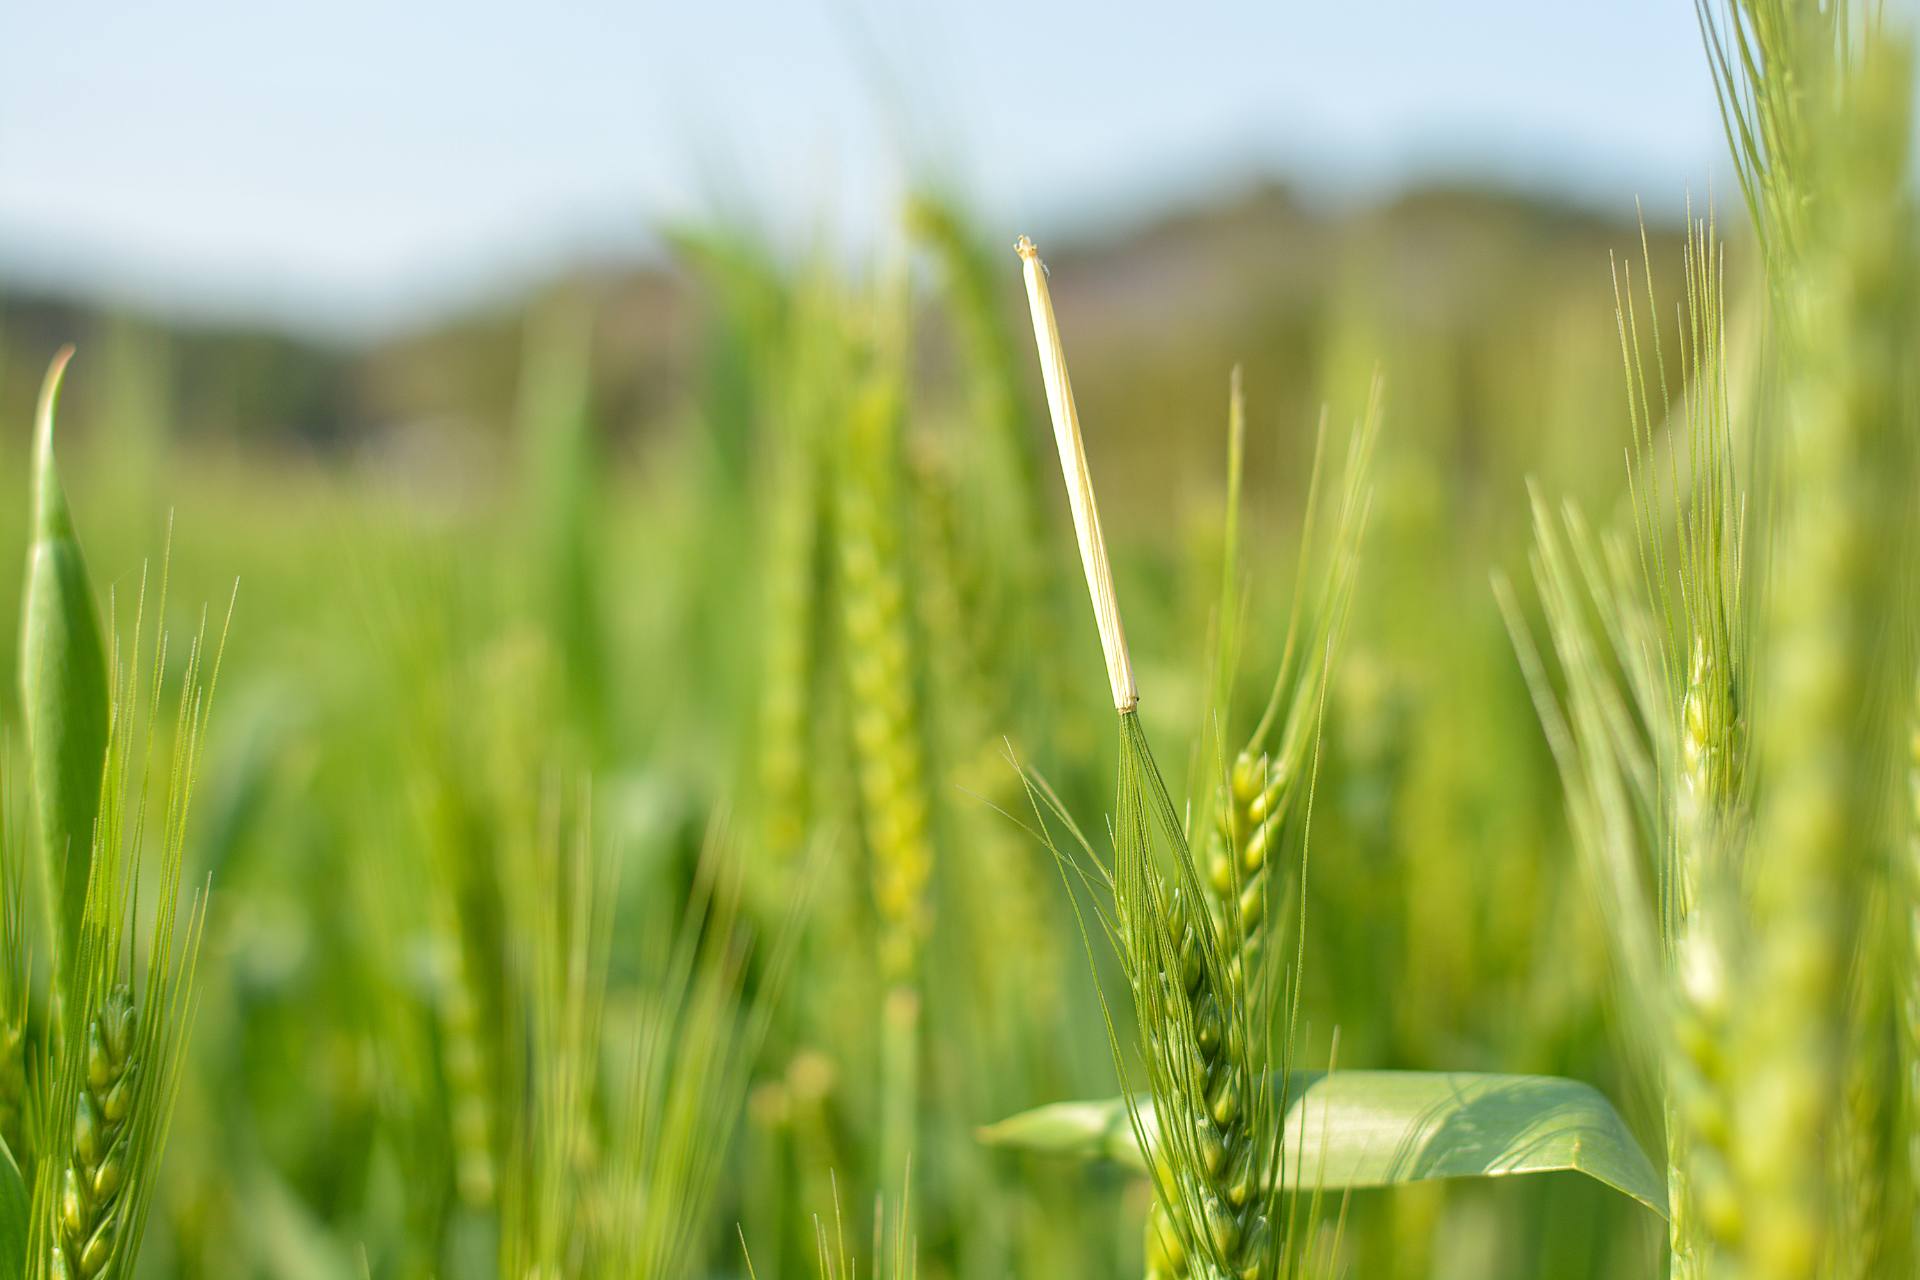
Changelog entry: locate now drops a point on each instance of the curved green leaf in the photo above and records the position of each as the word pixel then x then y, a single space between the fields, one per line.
pixel 63 689
pixel 15 1214
pixel 1356 1129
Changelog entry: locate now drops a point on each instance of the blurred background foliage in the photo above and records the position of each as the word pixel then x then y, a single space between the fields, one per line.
pixel 753 539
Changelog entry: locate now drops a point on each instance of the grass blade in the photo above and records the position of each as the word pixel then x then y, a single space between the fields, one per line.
pixel 15 1215
pixel 1351 1130
pixel 63 690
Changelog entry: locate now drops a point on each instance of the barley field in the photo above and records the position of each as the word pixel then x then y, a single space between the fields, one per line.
pixel 1378 742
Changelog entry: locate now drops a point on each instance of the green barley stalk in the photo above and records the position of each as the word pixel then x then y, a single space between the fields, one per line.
pixel 1694 570
pixel 63 694
pixel 1227 621
pixel 1767 1037
pixel 807 765
pixel 387 893
pixel 1910 993
pixel 895 1254
pixel 1843 262
pixel 682 1076
pixel 466 1061
pixel 983 580
pixel 1765 916
pixel 796 532
pixel 463 802
pixel 1005 895
pixel 815 777
pixel 1619 784
pixel 555 415
pixel 464 1000
pixel 1772 62
pixel 1867 1234
pixel 16 982
pixel 974 285
pixel 1002 483
pixel 1625 733
pixel 1261 789
pixel 1693 578
pixel 114 1069
pixel 561 894
pixel 1205 1030
pixel 888 751
pixel 483 810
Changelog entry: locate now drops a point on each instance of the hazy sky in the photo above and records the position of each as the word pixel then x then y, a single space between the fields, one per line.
pixel 367 159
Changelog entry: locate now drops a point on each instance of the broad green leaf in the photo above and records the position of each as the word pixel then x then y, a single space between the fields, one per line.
pixel 63 689
pixel 1357 1129
pixel 15 1211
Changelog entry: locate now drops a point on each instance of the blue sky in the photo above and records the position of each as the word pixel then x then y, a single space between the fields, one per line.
pixel 365 161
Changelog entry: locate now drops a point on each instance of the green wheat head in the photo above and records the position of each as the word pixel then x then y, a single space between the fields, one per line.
pixel 1215 1030
pixel 1727 759
pixel 112 1072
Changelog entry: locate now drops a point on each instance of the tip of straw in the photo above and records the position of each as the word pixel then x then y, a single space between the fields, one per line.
pixel 1024 247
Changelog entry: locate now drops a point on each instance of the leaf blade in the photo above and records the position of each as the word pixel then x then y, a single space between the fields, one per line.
pixel 15 1215
pixel 1354 1130
pixel 63 689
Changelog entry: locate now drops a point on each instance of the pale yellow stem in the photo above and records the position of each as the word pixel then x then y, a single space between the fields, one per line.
pixel 1073 468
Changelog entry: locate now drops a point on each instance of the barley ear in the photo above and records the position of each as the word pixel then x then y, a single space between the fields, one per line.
pixel 88 1222
pixel 63 692
pixel 110 1080
pixel 1073 463
pixel 1215 1155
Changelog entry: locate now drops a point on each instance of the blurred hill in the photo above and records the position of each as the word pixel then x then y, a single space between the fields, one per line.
pixel 1260 277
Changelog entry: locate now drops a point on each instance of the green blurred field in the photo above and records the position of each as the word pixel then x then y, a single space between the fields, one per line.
pixel 538 545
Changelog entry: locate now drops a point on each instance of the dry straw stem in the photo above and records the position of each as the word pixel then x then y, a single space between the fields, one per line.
pixel 1073 462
